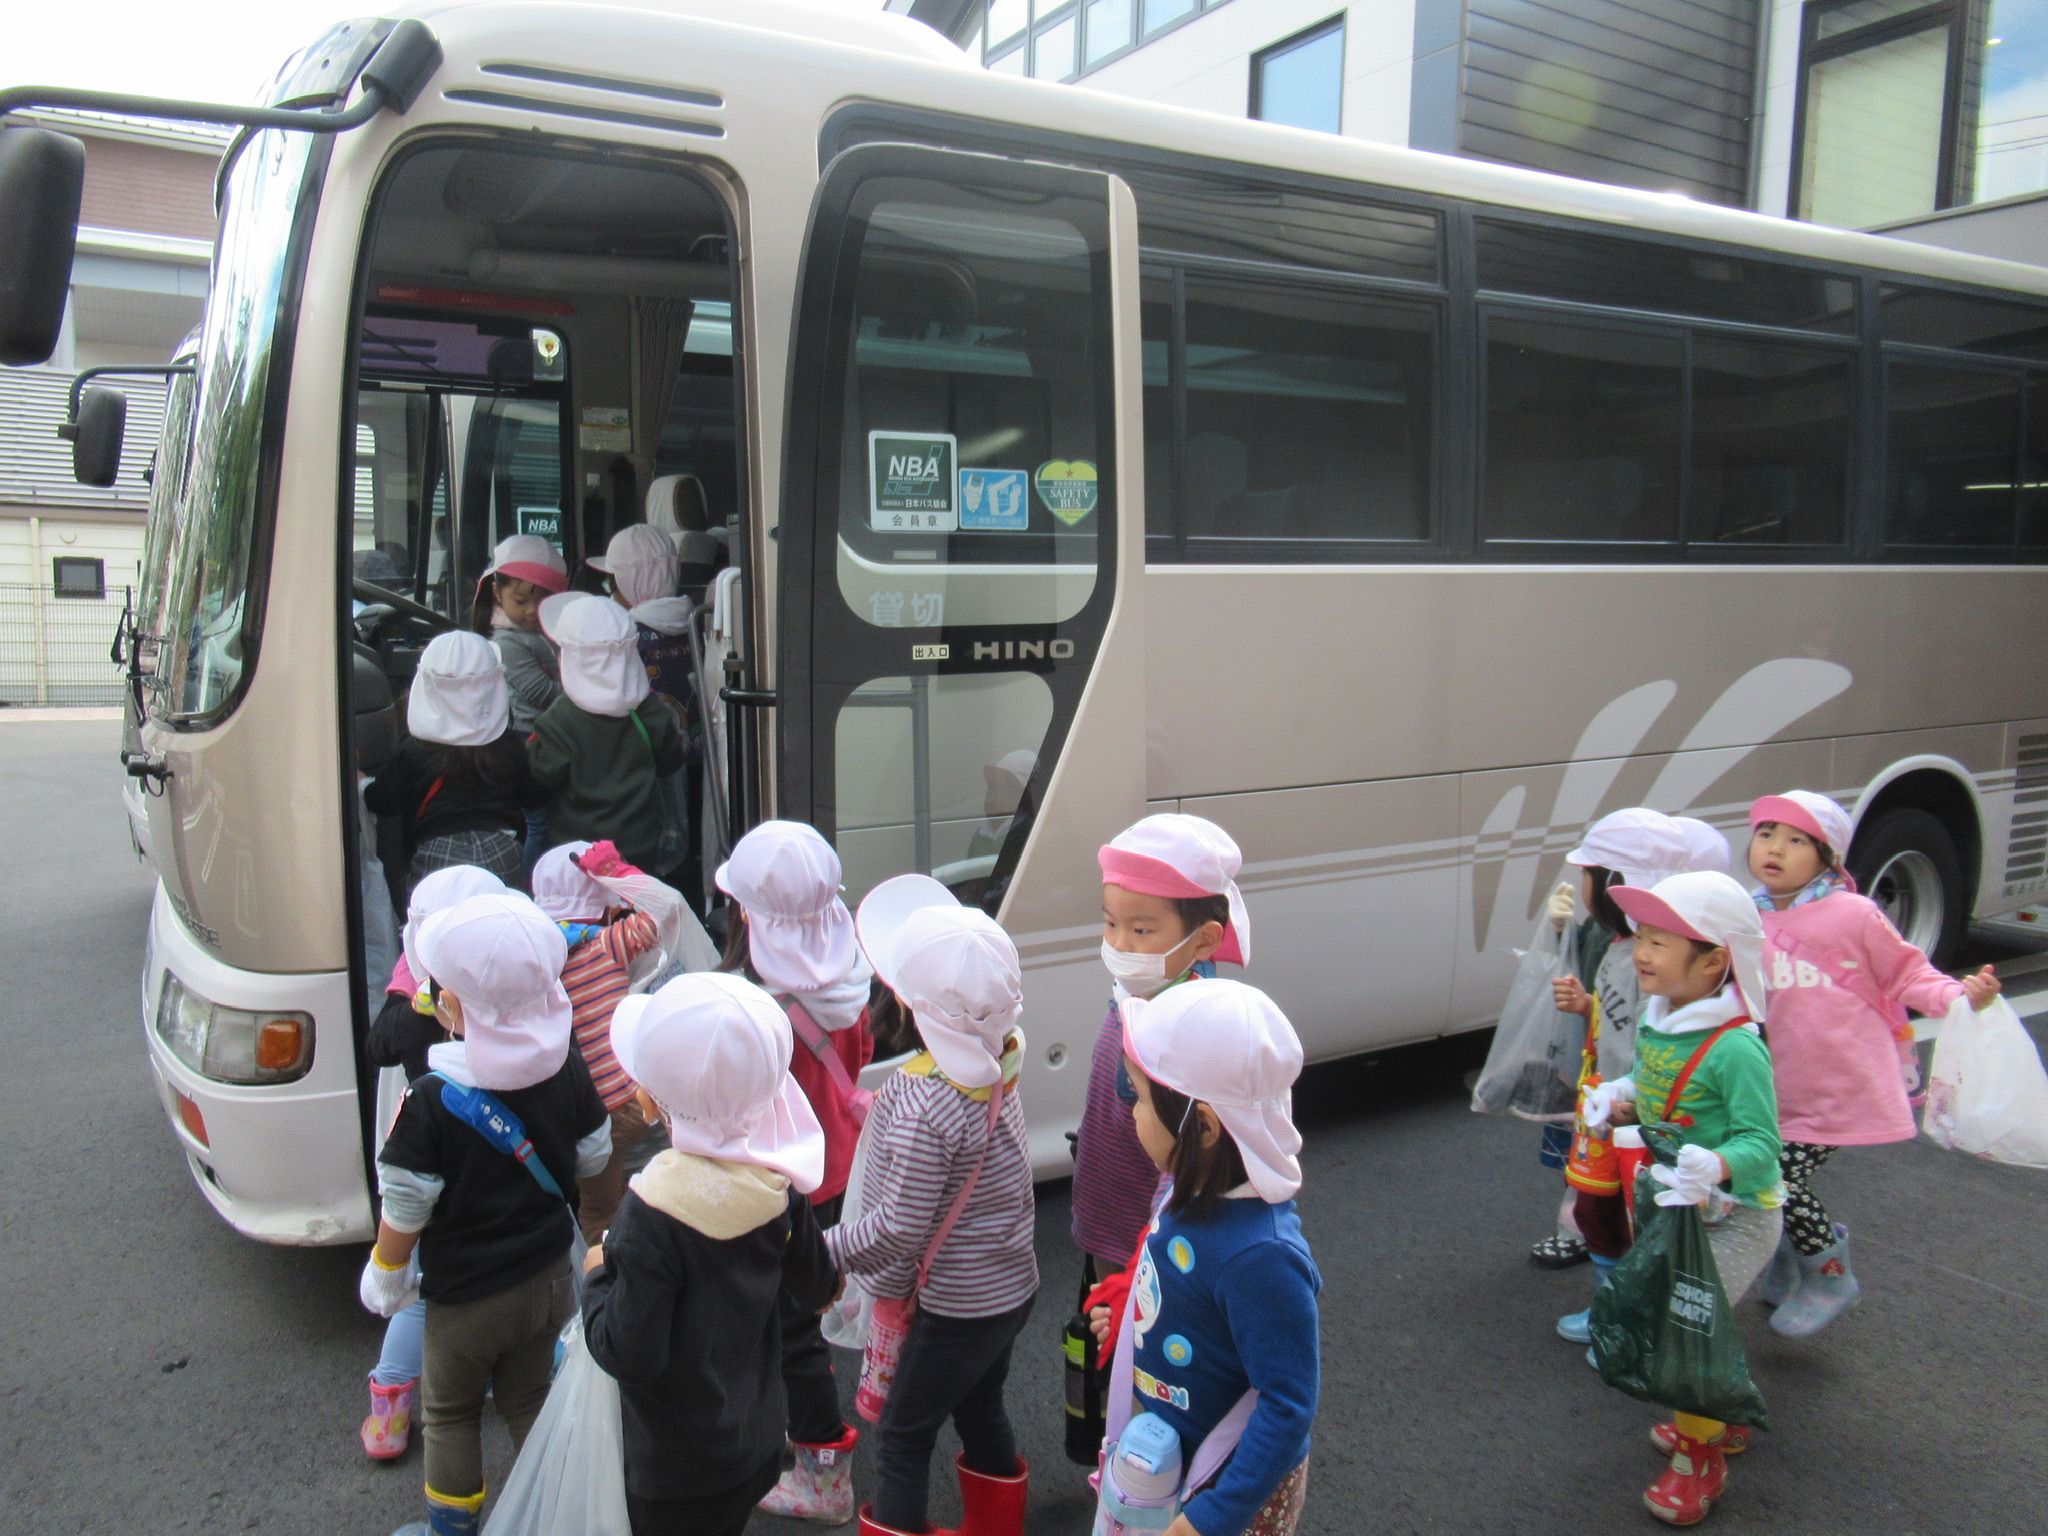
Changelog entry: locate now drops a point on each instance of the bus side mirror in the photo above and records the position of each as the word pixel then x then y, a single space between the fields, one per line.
pixel 96 435
pixel 42 175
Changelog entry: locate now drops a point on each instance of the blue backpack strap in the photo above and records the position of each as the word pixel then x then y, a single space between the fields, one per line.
pixel 483 1113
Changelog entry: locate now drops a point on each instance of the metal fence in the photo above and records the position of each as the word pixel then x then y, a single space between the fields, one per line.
pixel 56 650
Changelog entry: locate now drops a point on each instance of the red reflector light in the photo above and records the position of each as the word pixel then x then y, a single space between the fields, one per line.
pixel 279 1043
pixel 190 1118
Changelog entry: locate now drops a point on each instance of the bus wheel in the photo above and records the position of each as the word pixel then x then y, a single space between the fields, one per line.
pixel 1907 863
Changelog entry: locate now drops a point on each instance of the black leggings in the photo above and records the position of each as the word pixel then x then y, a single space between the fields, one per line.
pixel 724 1513
pixel 950 1367
pixel 814 1417
pixel 1806 1219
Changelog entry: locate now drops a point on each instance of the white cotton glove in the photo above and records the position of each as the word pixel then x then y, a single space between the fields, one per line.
pixel 1698 1171
pixel 1600 1102
pixel 1562 905
pixel 388 1292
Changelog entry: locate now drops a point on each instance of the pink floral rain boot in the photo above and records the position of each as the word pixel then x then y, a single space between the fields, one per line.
pixel 820 1486
pixel 388 1429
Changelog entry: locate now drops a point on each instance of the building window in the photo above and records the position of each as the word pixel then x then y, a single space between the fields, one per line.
pixel 1300 82
pixel 1055 47
pixel 1907 106
pixel 78 576
pixel 1159 13
pixel 1108 28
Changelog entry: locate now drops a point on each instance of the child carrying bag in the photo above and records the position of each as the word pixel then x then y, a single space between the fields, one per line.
pixel 1663 1329
pixel 889 1321
pixel 482 1112
pixel 1987 1093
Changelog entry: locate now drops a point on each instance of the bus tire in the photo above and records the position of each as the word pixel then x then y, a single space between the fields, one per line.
pixel 1906 861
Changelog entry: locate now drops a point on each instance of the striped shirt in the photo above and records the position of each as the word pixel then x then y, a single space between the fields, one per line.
pixel 595 979
pixel 923 1137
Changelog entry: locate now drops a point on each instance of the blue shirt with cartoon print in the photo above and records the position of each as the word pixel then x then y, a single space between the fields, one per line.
pixel 1220 1306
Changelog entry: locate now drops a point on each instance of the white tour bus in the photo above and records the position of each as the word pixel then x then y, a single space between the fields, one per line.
pixel 1043 458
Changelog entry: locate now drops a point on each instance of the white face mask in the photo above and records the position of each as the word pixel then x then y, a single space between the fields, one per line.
pixel 1142 975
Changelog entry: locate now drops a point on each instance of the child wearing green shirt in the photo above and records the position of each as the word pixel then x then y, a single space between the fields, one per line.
pixel 1701 1064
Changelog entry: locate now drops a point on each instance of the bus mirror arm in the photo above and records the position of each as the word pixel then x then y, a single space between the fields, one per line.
pixel 394 77
pixel 151 770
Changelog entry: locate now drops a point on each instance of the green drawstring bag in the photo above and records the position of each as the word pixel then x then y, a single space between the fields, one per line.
pixel 1663 1330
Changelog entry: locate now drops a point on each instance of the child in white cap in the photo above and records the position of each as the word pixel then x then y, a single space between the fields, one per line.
pixel 401 1035
pixel 1223 1303
pixel 1170 910
pixel 1841 979
pixel 680 1301
pixel 1702 1066
pixel 793 935
pixel 605 936
pixel 946 1225
pixel 478 1179
pixel 603 746
pixel 459 785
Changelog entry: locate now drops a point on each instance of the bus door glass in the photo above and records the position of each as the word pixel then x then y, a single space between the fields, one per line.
pixel 948 541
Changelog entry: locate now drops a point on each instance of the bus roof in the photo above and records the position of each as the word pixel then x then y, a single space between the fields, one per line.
pixel 889 61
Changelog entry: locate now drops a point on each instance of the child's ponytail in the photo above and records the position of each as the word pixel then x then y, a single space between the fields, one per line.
pixel 1202 1174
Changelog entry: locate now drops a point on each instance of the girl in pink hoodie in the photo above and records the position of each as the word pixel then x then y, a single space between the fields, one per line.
pixel 1841 979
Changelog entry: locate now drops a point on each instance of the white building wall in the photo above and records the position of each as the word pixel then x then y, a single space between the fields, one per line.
pixel 1780 97
pixel 1206 64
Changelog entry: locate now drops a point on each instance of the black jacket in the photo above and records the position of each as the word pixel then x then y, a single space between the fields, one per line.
pixel 406 789
pixel 687 1324
pixel 400 1036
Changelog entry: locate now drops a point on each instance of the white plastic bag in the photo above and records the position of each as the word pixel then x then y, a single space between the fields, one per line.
pixel 1988 1093
pixel 570 1478
pixel 845 1323
pixel 1532 1072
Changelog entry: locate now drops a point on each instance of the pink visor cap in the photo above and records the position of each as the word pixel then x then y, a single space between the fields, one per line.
pixel 529 557
pixel 1712 908
pixel 1183 857
pixel 1815 815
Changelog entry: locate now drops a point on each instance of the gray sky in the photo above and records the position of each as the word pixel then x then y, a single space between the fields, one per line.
pixel 195 50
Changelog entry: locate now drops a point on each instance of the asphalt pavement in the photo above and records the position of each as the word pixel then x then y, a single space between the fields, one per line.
pixel 165 1375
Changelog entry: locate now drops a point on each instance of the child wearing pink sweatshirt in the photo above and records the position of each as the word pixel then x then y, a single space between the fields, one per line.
pixel 1841 979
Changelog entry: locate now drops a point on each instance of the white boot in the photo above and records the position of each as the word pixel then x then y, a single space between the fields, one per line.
pixel 819 1486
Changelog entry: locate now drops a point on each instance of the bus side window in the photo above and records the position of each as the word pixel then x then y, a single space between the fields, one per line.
pixel 1953 447
pixel 1583 432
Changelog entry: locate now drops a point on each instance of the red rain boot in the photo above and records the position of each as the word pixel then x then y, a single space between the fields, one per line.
pixel 1734 1439
pixel 870 1526
pixel 1684 1494
pixel 992 1506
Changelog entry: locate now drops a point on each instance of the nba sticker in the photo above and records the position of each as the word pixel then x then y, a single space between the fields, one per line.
pixel 1068 488
pixel 912 487
pixel 994 500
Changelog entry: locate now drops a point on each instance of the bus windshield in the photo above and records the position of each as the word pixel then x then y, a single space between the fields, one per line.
pixel 211 588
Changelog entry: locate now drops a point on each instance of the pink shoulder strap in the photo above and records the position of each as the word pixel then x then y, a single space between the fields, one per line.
pixel 819 1042
pixel 1847 977
pixel 995 1110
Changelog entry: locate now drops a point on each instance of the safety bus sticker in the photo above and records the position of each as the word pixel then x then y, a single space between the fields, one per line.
pixel 1068 488
pixel 912 486
pixel 995 500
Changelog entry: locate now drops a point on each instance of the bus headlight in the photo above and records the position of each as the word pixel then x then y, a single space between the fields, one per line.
pixel 233 1045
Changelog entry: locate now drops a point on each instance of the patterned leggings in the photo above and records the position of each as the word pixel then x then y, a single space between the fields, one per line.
pixel 1806 1219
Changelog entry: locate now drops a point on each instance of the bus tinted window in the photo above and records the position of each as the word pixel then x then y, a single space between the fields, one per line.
pixel 1954 442
pixel 1770 441
pixel 1639 274
pixel 1583 427
pixel 1308 415
pixel 1211 216
pixel 1933 318
pixel 1156 321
